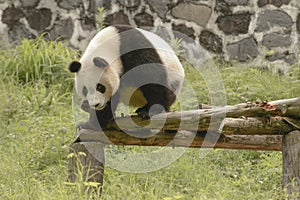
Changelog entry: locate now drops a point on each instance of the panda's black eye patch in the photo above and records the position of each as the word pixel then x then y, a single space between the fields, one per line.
pixel 84 91
pixel 100 88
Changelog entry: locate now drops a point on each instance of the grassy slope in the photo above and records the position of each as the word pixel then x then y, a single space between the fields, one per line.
pixel 37 127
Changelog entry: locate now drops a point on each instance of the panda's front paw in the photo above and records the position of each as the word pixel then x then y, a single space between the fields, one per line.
pixel 143 113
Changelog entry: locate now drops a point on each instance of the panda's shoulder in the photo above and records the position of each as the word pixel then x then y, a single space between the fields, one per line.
pixel 104 35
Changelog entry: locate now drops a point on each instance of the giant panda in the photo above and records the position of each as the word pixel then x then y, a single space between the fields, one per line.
pixel 129 65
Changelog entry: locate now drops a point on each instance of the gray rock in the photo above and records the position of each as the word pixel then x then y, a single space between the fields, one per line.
pixel 211 42
pixel 29 3
pixel 95 4
pixel 236 2
pixel 296 3
pixel 276 40
pixel 144 19
pixel 243 50
pixel 116 18
pixel 39 19
pixel 277 3
pixel 88 23
pixel 199 14
pixel 298 23
pixel 18 33
pixel 286 56
pixel 11 16
pixel 223 7
pixel 234 24
pixel 183 31
pixel 159 7
pixel 271 18
pixel 62 29
pixel 68 4
pixel 130 4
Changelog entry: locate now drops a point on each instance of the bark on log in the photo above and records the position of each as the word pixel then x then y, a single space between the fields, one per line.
pixel 186 139
pixel 211 126
pixel 190 122
pixel 262 119
pixel 291 164
pixel 86 165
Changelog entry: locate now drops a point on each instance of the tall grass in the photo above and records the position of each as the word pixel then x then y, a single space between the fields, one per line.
pixel 35 60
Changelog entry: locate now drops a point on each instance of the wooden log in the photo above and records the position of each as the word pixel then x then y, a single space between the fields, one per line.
pixel 262 119
pixel 186 139
pixel 86 165
pixel 228 126
pixel 291 164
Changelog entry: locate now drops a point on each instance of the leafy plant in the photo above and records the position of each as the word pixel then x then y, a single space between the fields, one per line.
pixel 39 59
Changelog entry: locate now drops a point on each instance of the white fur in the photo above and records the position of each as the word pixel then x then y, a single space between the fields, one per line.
pixel 106 44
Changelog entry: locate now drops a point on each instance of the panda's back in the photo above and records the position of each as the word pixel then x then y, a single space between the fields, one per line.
pixel 126 47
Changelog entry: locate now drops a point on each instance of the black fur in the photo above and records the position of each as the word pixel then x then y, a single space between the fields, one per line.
pixel 74 66
pixel 137 51
pixel 100 62
pixel 139 54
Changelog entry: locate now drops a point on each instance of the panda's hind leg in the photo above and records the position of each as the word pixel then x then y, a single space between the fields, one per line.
pixel 159 99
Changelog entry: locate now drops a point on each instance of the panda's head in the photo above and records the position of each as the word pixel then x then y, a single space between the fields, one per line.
pixel 95 81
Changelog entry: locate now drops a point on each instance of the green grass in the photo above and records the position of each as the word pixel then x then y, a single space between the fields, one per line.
pixel 37 127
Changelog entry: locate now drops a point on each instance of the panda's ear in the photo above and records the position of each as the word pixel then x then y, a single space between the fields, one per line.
pixel 100 62
pixel 74 66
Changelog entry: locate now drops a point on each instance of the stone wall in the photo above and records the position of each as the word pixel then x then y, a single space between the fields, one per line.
pixel 235 29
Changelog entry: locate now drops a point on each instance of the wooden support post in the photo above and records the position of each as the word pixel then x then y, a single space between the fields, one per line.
pixel 291 164
pixel 86 165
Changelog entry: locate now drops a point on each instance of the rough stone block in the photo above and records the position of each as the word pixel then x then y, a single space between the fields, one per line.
pixel 130 4
pixel 234 24
pixel 243 50
pixel 199 14
pixel 285 56
pixel 186 31
pixel 29 3
pixel 211 41
pixel 88 23
pixel 69 4
pixel 144 19
pixel 298 23
pixel 277 3
pixel 95 4
pixel 276 40
pixel 271 18
pixel 236 2
pixel 39 19
pixel 159 7
pixel 116 18
pixel 19 32
pixel 12 15
pixel 63 29
pixel 223 7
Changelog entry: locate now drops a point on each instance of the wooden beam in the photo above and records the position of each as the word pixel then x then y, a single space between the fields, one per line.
pixel 185 139
pixel 291 164
pixel 86 165
pixel 246 118
pixel 232 127
pixel 228 126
